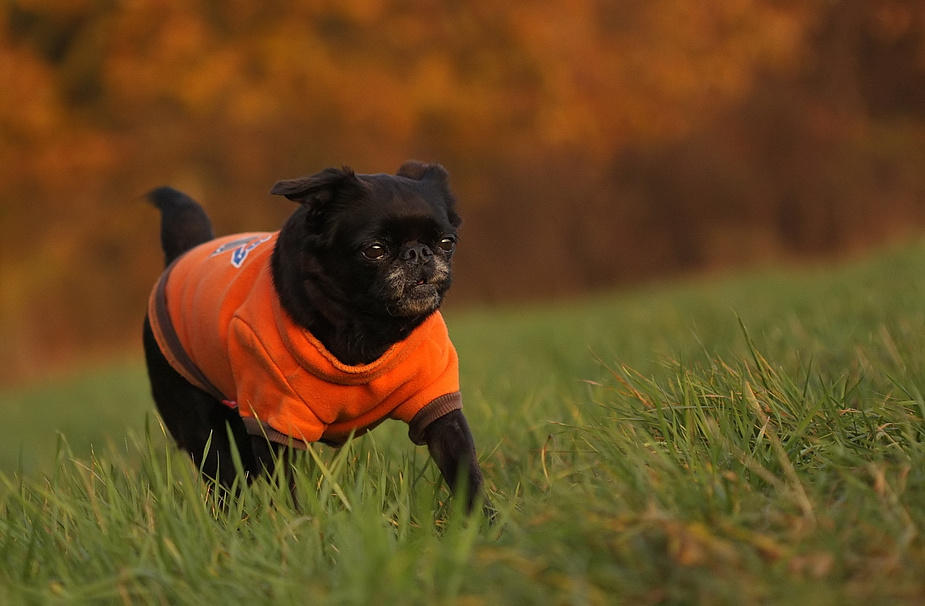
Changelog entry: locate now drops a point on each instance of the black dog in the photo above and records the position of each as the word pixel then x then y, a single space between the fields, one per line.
pixel 322 330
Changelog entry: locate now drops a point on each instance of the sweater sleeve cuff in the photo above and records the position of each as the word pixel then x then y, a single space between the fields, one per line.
pixel 430 413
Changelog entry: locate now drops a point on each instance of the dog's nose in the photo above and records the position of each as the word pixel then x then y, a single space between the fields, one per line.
pixel 416 252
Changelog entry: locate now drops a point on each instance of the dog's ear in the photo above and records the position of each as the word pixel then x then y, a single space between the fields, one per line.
pixel 419 171
pixel 318 190
pixel 436 174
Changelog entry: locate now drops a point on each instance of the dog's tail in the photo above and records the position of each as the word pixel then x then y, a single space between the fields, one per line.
pixel 184 224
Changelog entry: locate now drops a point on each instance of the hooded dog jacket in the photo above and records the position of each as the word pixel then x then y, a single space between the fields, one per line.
pixel 218 321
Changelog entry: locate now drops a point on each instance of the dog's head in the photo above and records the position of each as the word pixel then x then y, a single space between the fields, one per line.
pixel 380 245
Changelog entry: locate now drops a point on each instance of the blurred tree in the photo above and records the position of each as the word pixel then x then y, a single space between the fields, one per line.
pixel 592 142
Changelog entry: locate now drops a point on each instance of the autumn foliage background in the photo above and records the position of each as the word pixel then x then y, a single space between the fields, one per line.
pixel 592 143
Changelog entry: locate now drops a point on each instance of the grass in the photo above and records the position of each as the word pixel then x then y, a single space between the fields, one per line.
pixel 756 440
pixel 92 407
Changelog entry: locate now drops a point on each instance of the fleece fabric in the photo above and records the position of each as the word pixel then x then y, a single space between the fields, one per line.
pixel 217 319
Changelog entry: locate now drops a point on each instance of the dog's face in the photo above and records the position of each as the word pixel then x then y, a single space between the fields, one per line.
pixel 379 245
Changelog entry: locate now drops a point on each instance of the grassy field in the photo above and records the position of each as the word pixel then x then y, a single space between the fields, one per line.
pixel 754 440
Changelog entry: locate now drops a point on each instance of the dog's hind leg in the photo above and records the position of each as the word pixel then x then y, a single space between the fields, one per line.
pixel 198 422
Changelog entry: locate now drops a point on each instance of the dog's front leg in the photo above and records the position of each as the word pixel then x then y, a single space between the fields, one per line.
pixel 451 446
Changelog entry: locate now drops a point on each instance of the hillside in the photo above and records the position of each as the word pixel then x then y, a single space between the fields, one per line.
pixel 753 440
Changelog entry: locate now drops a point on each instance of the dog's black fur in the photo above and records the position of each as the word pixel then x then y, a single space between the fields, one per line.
pixel 363 261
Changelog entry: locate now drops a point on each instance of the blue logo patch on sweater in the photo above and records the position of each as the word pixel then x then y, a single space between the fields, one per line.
pixel 241 248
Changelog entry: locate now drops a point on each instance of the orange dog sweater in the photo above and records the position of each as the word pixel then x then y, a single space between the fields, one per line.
pixel 218 321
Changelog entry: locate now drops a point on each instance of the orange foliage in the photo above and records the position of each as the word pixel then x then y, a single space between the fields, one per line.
pixel 591 141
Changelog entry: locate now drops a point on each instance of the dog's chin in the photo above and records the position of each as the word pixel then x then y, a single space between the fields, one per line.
pixel 415 300
pixel 412 291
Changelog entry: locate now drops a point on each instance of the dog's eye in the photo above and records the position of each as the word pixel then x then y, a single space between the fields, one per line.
pixel 447 244
pixel 375 251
